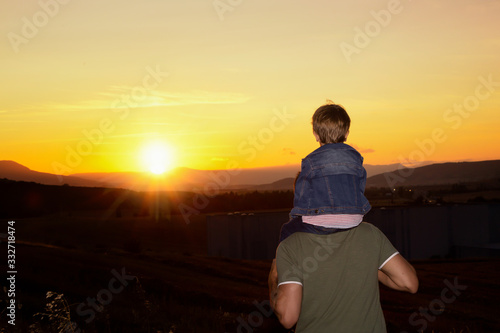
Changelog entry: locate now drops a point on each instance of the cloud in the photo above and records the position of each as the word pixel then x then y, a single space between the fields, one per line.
pixel 121 97
pixel 163 98
pixel 219 159
pixel 363 150
pixel 288 151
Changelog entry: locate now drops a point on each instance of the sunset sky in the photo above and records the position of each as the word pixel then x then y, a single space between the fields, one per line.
pixel 86 85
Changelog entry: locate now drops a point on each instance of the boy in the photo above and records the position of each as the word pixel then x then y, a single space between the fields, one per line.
pixel 329 190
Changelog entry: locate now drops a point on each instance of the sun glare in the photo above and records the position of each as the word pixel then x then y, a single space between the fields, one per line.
pixel 157 157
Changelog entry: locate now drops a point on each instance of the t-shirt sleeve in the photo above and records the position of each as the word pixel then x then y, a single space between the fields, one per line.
pixel 387 250
pixel 286 264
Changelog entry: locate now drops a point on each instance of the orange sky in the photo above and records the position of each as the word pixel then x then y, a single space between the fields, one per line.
pixel 86 84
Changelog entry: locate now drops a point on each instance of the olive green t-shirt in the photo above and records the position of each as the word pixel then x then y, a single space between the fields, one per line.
pixel 338 274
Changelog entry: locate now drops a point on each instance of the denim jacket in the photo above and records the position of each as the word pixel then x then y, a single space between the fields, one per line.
pixel 332 181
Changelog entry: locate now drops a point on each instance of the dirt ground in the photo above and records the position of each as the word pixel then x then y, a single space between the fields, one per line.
pixel 170 285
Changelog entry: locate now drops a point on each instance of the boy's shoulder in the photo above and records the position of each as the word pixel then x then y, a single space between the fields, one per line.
pixel 339 148
pixel 335 152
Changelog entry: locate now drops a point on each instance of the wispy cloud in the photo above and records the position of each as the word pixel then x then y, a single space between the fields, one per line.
pixel 124 96
pixel 288 151
pixel 156 98
pixel 219 159
pixel 362 150
pixel 131 135
pixel 24 121
pixel 201 97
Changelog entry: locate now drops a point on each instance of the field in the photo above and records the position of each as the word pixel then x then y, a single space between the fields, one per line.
pixel 142 275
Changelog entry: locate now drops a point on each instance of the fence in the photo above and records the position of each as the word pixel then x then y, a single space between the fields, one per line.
pixel 423 232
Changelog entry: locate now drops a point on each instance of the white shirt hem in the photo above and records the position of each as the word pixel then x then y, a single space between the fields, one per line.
pixel 388 259
pixel 287 282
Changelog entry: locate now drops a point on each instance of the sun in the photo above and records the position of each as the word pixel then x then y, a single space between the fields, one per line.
pixel 157 157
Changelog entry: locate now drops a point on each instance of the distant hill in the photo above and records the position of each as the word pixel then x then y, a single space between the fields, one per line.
pixel 284 184
pixel 256 179
pixel 185 179
pixel 15 171
pixel 372 170
pixel 438 174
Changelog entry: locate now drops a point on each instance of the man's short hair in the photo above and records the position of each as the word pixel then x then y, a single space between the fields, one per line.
pixel 331 122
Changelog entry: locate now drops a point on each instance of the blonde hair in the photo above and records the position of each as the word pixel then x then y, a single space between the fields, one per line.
pixel 331 123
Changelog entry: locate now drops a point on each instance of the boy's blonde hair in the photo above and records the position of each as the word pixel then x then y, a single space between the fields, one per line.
pixel 331 123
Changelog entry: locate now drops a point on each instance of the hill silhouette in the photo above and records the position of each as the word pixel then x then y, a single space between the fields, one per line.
pixel 257 179
pixel 187 179
pixel 15 171
pixel 179 179
pixel 438 174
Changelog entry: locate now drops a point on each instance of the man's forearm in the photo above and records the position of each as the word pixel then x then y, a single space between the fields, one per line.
pixel 273 284
pixel 388 282
pixel 273 294
pixel 399 274
pixel 285 300
pixel 273 289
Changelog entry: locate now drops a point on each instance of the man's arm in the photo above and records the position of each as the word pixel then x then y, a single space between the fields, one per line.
pixel 399 274
pixel 285 299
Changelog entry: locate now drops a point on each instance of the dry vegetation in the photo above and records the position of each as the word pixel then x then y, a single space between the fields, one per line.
pixel 179 289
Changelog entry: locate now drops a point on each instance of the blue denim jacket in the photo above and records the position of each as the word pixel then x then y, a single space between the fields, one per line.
pixel 332 181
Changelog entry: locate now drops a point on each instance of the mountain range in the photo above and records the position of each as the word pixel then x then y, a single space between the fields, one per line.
pixel 15 171
pixel 438 174
pixel 269 178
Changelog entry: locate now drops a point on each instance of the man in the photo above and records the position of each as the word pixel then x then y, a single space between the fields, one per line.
pixel 329 283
